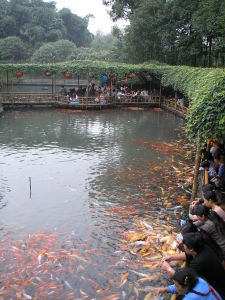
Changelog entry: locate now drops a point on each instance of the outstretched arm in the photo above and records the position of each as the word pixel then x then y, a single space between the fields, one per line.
pixel 179 256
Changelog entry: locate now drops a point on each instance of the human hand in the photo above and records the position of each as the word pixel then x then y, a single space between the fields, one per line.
pixel 193 203
pixel 166 267
pixel 213 179
pixel 167 258
pixel 159 291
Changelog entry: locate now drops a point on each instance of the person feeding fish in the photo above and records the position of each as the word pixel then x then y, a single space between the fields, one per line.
pixel 200 258
pixel 190 286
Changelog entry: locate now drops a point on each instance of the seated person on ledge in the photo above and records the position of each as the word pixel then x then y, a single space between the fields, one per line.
pixel 190 286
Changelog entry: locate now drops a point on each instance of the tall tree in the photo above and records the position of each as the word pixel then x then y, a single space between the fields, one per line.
pixel 36 22
pixel 209 21
pixel 76 28
pixel 12 49
pixel 121 9
pixel 55 52
pixel 172 31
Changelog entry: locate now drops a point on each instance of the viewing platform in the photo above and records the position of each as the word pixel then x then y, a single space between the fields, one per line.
pixel 12 100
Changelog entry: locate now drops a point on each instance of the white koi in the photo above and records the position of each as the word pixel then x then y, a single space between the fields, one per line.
pixel 26 296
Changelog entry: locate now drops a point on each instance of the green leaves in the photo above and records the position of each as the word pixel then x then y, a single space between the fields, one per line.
pixel 54 52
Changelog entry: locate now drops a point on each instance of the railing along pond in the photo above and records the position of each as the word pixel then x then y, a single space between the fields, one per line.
pixel 171 104
pixel 26 98
pixel 9 99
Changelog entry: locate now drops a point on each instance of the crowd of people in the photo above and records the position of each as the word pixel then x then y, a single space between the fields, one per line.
pixel 201 243
pixel 100 94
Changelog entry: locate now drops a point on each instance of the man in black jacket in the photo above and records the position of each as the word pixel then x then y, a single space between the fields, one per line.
pixel 202 259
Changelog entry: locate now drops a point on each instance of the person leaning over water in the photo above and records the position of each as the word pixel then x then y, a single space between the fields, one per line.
pixel 210 223
pixel 211 202
pixel 190 286
pixel 200 258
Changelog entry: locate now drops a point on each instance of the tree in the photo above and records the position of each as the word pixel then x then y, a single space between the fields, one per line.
pixel 174 31
pixel 91 54
pixel 76 28
pixel 12 49
pixel 55 52
pixel 143 38
pixel 37 22
pixel 209 21
pixel 122 9
pixel 103 41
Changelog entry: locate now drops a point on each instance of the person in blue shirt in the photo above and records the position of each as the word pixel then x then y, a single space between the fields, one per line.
pixel 190 286
pixel 220 161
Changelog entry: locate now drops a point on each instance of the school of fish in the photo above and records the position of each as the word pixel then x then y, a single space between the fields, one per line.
pixel 139 231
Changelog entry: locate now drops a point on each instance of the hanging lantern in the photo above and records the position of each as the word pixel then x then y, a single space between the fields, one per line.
pixel 48 73
pixel 104 79
pixel 90 75
pixel 67 75
pixel 19 74
pixel 131 76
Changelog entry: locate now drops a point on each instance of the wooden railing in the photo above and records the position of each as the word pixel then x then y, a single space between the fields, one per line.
pixel 110 100
pixel 138 99
pixel 26 98
pixel 171 104
pixel 88 101
pixel 56 99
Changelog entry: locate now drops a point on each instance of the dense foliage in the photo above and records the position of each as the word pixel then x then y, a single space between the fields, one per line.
pixel 189 32
pixel 55 52
pixel 64 50
pixel 35 22
pixel 12 49
pixel 203 87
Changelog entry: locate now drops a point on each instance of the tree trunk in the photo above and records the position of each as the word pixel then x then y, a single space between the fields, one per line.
pixel 209 51
pixel 196 173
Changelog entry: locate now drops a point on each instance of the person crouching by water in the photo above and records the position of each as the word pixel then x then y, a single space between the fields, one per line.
pixel 201 259
pixel 190 286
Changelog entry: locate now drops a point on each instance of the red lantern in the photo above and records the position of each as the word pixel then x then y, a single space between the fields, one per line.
pixel 48 74
pixel 19 74
pixel 67 75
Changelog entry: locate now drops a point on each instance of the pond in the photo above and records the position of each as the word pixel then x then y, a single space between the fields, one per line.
pixel 72 186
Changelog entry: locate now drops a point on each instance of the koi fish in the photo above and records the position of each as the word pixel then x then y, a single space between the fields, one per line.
pixel 139 274
pixel 148 226
pixel 124 279
pixel 26 296
pixel 39 259
pixel 67 284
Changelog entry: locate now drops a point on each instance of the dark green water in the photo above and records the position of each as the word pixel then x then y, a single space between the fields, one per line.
pixel 86 170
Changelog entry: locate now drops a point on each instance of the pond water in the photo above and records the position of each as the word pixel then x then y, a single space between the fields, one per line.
pixel 71 186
